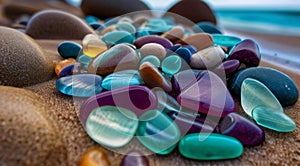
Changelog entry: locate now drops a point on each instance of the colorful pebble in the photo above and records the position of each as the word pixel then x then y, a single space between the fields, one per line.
pixel 171 64
pixel 207 58
pixel 69 49
pixel 174 34
pixel 153 49
pixel 152 59
pixel 92 45
pixel 117 37
pixel 228 67
pixel 182 80
pixel 206 27
pixel 184 53
pixel 226 41
pixel 62 64
pixel 153 39
pixel 199 40
pixel 134 158
pixel 126 26
pixel 94 157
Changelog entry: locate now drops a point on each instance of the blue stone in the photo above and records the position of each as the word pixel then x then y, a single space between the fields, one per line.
pixel 84 60
pixel 91 19
pixel 118 37
pixel 121 79
pixel 82 85
pixel 224 40
pixel 184 53
pixel 69 49
pixel 97 26
pixel 206 27
pixel 175 47
pixel 191 48
pixel 68 70
pixel 142 32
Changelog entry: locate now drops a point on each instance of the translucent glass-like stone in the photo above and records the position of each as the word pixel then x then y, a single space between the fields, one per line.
pixel 152 59
pixel 210 146
pixel 184 53
pixel 84 60
pixel 121 79
pixel 224 40
pixel 134 158
pixel 254 94
pixel 94 157
pixel 81 85
pixel 62 64
pixel 111 126
pixel 206 27
pixel 93 45
pixel 126 26
pixel 118 37
pixel 171 64
pixel 183 80
pixel 158 132
pixel 273 119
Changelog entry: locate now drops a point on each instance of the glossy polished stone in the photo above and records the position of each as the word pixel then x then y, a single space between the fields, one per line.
pixel 152 59
pixel 153 49
pixel 202 146
pixel 209 95
pixel 62 64
pixel 247 52
pixel 93 45
pixel 81 85
pixel 158 132
pixel 206 27
pixel 174 34
pixel 119 57
pixel 134 158
pixel 67 70
pixel 247 132
pixel 69 49
pixel 126 26
pixel 166 103
pixel 111 126
pixel 280 84
pixel 228 67
pixel 184 53
pixel 199 40
pixel 94 157
pixel 171 64
pixel 84 60
pixel 153 39
pixel 254 94
pixel 182 80
pixel 118 37
pixel 207 58
pixel 273 119
pixel 135 98
pixel 224 40
pixel 154 78
pixel 122 78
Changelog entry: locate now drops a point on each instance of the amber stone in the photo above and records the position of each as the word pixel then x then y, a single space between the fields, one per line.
pixel 94 157
pixel 62 64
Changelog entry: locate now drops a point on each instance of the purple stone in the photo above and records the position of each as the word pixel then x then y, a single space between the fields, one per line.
pixel 138 99
pixel 247 52
pixel 153 39
pixel 227 67
pixel 242 129
pixel 183 79
pixel 134 158
pixel 209 95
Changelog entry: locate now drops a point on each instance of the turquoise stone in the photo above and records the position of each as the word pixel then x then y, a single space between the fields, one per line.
pixel 84 60
pixel 210 146
pixel 224 40
pixel 171 64
pixel 69 49
pixel 121 79
pixel 273 119
pixel 142 32
pixel 157 26
pixel 254 94
pixel 152 59
pixel 91 19
pixel 158 132
pixel 118 37
pixel 111 126
pixel 81 85
pixel 125 26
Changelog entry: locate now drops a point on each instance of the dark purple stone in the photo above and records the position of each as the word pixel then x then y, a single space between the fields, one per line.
pixel 227 67
pixel 209 95
pixel 183 79
pixel 242 129
pixel 153 39
pixel 138 99
pixel 134 158
pixel 247 52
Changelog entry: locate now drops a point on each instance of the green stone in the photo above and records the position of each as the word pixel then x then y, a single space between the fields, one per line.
pixel 111 126
pixel 210 146
pixel 158 132
pixel 273 119
pixel 118 37
pixel 254 94
pixel 152 59
pixel 171 64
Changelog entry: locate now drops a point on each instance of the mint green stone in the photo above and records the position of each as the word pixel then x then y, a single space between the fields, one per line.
pixel 227 41
pixel 254 94
pixel 111 126
pixel 126 26
pixel 171 64
pixel 210 146
pixel 118 37
pixel 152 59
pixel 158 132
pixel 273 119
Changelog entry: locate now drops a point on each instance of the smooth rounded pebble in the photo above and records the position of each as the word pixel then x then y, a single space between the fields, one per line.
pixel 94 157
pixel 134 157
pixel 153 49
pixel 54 24
pixel 22 61
pixel 28 136
pixel 69 49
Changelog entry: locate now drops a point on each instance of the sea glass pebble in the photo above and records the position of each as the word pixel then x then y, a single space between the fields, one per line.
pixel 273 119
pixel 158 132
pixel 94 157
pixel 134 158
pixel 69 49
pixel 207 58
pixel 210 146
pixel 81 85
pixel 247 52
pixel 62 64
pixel 135 98
pixel 171 64
pixel 84 60
pixel 118 37
pixel 92 45
pixel 152 59
pixel 237 126
pixel 225 40
pixel 280 84
pixel 126 26
pixel 67 70
pixel 153 39
pixel 206 27
pixel 111 126
pixel 121 79
pixel 254 94
pixel 153 49
pixel 198 40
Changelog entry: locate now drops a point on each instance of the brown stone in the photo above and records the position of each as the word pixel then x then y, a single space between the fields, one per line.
pixel 199 40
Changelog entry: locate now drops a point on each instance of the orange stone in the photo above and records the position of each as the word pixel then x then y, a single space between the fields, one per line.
pixel 62 64
pixel 94 157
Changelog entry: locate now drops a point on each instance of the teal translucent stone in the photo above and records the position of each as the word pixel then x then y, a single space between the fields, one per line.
pixel 254 94
pixel 152 59
pixel 227 41
pixel 158 132
pixel 157 26
pixel 210 146
pixel 126 26
pixel 121 79
pixel 81 85
pixel 118 37
pixel 111 126
pixel 273 119
pixel 171 64
pixel 84 60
